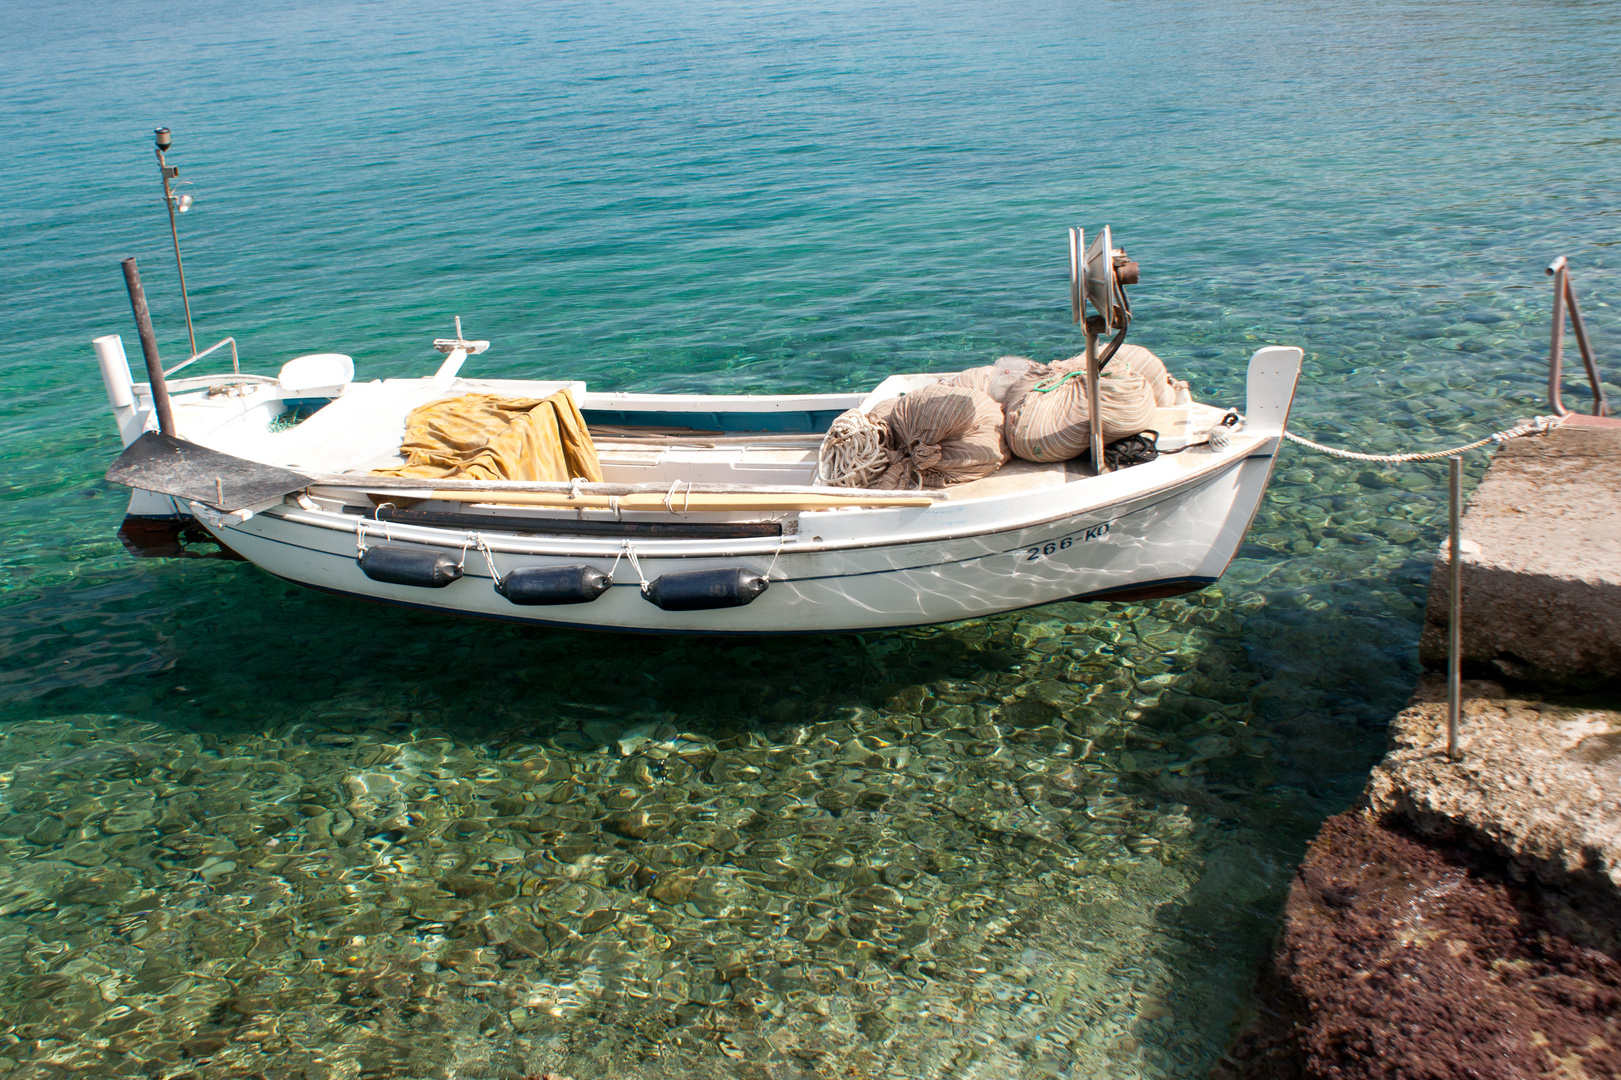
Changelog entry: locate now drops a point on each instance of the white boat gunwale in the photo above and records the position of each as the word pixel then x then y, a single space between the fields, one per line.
pixel 766 547
pixel 671 547
pixel 1153 586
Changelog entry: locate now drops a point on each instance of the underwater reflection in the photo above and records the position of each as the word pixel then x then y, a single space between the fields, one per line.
pixel 999 847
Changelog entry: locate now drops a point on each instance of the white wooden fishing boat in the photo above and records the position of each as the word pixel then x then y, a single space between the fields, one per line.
pixel 707 519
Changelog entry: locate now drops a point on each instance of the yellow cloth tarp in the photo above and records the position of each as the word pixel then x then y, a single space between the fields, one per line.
pixel 489 437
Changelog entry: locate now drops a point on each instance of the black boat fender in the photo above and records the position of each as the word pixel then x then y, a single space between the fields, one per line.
pixel 534 585
pixel 700 590
pixel 395 564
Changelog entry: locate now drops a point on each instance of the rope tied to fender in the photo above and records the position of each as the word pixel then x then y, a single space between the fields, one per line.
pixel 626 551
pixel 782 538
pixel 489 559
pixel 1539 425
pixel 360 528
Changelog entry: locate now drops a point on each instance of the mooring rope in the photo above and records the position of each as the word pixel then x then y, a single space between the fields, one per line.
pixel 1536 426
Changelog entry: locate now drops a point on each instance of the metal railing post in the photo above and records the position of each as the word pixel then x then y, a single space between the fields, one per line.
pixel 1556 342
pixel 1454 603
pixel 1564 297
pixel 1601 402
pixel 236 364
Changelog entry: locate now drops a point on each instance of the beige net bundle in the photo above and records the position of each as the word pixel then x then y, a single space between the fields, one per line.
pixel 943 435
pixel 998 379
pixel 1048 418
pixel 967 426
pixel 1137 359
pixel 932 437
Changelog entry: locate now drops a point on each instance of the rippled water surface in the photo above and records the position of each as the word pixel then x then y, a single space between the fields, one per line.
pixel 250 830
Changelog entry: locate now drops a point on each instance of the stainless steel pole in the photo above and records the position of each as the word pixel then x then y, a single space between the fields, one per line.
pixel 1454 604
pixel 1092 396
pixel 1556 340
pixel 169 172
pixel 1601 403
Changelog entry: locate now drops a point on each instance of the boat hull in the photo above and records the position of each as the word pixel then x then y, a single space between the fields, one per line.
pixel 1153 529
pixel 1161 541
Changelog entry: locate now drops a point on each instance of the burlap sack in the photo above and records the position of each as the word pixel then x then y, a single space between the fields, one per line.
pixel 997 380
pixel 881 410
pixel 943 435
pixel 1140 360
pixel 1047 419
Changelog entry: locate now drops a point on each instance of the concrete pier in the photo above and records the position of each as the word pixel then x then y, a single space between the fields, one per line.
pixel 1464 919
pixel 1541 562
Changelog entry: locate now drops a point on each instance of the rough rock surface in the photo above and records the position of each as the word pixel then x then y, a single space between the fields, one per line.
pixel 1539 783
pixel 1407 958
pixel 1541 562
pixel 1464 921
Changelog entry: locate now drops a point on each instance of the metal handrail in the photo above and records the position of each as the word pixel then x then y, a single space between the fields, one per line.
pixel 1454 603
pixel 1564 295
pixel 236 368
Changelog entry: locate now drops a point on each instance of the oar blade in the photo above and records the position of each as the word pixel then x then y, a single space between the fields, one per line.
pixel 170 466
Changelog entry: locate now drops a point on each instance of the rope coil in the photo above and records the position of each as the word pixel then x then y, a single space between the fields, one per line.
pixel 852 453
pixel 1536 426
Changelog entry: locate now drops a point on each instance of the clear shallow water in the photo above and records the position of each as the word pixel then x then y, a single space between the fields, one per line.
pixel 253 830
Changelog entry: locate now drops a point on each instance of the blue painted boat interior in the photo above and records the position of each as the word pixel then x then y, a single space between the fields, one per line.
pixel 810 421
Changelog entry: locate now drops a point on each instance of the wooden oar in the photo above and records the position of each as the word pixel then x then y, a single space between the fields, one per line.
pixel 681 502
pixel 425 487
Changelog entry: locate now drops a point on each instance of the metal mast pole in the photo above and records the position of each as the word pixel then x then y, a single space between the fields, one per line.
pixel 170 172
pixel 1094 327
pixel 149 349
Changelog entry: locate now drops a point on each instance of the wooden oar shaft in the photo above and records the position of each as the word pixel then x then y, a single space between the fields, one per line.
pixel 459 488
pixel 682 501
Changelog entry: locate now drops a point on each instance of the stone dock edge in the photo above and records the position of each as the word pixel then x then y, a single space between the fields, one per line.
pixel 1463 919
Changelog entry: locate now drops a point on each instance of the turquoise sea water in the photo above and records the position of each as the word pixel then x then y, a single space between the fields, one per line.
pixel 254 831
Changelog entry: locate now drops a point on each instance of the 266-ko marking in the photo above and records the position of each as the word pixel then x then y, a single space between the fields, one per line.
pixel 1041 551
